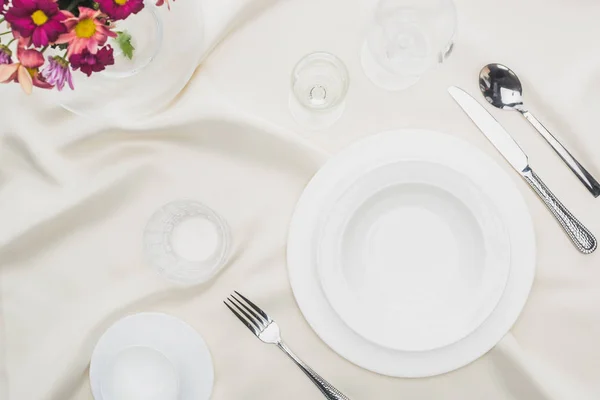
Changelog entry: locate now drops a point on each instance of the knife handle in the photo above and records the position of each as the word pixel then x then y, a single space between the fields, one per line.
pixel 581 237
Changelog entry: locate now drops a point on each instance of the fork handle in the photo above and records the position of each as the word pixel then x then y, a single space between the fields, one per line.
pixel 328 390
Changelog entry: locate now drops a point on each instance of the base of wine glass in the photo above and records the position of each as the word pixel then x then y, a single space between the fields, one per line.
pixel 381 76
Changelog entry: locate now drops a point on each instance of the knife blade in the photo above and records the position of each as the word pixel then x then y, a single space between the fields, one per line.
pixel 492 129
pixel 580 236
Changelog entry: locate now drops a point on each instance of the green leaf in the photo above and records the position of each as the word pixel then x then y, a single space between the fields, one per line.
pixel 62 46
pixel 124 41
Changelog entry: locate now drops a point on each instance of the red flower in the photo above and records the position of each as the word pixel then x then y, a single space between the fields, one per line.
pixel 88 62
pixel 40 20
pixel 120 9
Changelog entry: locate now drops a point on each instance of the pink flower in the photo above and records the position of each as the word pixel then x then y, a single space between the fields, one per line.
pixel 3 4
pixel 161 2
pixel 88 31
pixel 88 62
pixel 26 71
pixel 40 20
pixel 57 73
pixel 120 9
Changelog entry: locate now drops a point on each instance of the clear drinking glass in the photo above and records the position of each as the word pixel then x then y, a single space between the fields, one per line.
pixel 318 93
pixel 405 39
pixel 187 242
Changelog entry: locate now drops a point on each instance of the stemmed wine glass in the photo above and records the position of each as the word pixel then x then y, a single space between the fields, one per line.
pixel 407 38
pixel 318 92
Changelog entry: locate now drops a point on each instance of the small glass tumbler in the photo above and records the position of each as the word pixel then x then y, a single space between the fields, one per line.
pixel 407 38
pixel 318 93
pixel 187 242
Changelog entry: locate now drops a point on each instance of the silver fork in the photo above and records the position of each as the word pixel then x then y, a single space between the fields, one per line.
pixel 267 330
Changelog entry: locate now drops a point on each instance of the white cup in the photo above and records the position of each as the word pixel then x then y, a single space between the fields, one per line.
pixel 140 373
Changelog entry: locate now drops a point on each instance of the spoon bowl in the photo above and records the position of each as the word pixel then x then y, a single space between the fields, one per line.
pixel 501 87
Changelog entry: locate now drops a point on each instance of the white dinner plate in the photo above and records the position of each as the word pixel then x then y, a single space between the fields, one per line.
pixel 151 355
pixel 473 191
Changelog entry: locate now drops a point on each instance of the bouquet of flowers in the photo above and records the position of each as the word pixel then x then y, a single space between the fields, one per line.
pixel 76 30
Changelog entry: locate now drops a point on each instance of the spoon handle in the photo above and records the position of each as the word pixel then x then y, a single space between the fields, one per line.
pixel 584 176
pixel 581 237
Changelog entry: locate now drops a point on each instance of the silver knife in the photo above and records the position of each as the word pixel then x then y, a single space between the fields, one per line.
pixel 581 237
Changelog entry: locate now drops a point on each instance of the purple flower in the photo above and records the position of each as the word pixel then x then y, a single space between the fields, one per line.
pixel 120 9
pixel 40 20
pixel 5 55
pixel 89 62
pixel 58 73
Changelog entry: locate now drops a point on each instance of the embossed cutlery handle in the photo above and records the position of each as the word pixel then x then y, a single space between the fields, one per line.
pixel 328 390
pixel 581 237
pixel 584 176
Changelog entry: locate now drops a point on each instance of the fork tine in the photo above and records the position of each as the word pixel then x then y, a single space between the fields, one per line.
pixel 248 324
pixel 256 316
pixel 255 307
pixel 255 321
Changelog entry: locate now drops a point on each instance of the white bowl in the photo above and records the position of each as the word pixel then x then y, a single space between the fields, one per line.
pixel 413 255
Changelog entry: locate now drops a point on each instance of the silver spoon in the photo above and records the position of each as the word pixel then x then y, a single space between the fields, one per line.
pixel 502 88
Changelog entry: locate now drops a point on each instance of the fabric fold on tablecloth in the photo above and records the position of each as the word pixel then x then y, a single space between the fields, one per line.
pixel 526 377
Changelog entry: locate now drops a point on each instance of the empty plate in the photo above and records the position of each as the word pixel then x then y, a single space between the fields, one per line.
pixel 414 256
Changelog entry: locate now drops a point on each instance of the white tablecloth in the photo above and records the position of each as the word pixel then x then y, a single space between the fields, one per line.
pixel 75 195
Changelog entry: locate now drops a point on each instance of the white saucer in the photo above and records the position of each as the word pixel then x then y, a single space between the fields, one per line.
pixel 497 316
pixel 413 255
pixel 153 356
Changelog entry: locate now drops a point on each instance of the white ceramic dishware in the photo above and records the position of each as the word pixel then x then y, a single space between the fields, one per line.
pixel 151 356
pixel 467 173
